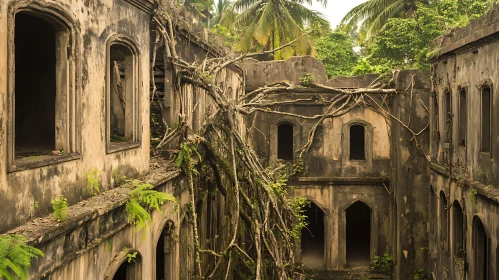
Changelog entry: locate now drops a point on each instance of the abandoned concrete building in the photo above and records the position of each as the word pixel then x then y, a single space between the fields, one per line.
pixel 415 179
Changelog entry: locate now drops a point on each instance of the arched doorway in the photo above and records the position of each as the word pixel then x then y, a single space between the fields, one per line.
pixel 481 250
pixel 358 234
pixel 186 249
pixel 165 253
pixel 312 238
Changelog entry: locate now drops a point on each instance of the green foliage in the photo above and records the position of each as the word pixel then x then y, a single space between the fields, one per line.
pixel 299 205
pixel 130 255
pixel 384 263
pixel 335 50
pixel 472 194
pixel 118 179
pixel 419 274
pixel 142 200
pixel 307 79
pixel 93 182
pixel 60 206
pixel 15 257
pixel 184 159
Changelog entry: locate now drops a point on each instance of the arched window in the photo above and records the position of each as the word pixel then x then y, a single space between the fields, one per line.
pixel 432 212
pixel 122 95
pixel 448 116
pixel 165 253
pixel 485 120
pixel 125 268
pixel 43 109
pixel 481 250
pixel 357 142
pixel 312 238
pixel 443 216
pixel 458 230
pixel 285 148
pixel 463 117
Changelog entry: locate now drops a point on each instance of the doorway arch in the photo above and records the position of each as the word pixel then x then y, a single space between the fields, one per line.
pixel 165 253
pixel 358 229
pixel 312 238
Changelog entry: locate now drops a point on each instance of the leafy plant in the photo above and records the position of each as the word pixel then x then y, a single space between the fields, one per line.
pixel 130 256
pixel 184 159
pixel 93 182
pixel 472 194
pixel 419 274
pixel 15 257
pixel 307 79
pixel 384 263
pixel 118 179
pixel 60 206
pixel 141 200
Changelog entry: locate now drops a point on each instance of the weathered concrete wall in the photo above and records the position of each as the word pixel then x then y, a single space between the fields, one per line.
pixel 94 23
pixel 467 60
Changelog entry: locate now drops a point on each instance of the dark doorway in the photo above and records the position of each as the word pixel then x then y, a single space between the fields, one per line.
pixel 458 230
pixel 35 86
pixel 285 141
pixel 357 142
pixel 165 252
pixel 312 238
pixel 121 274
pixel 481 250
pixel 358 234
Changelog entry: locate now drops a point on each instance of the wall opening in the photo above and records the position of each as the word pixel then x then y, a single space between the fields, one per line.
pixel 35 86
pixel 481 250
pixel 186 250
pixel 443 216
pixel 358 234
pixel 165 253
pixel 486 104
pixel 463 117
pixel 448 117
pixel 312 238
pixel 459 225
pixel 121 273
pixel 357 142
pixel 285 141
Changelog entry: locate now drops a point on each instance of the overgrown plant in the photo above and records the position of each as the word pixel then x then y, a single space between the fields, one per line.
pixel 93 182
pixel 472 194
pixel 60 207
pixel 15 257
pixel 384 263
pixel 131 256
pixel 141 201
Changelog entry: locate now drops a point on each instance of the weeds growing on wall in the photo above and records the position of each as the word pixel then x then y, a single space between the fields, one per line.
pixel 15 257
pixel 93 182
pixel 60 207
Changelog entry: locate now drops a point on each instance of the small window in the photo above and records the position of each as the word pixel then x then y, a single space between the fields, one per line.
pixel 448 117
pixel 42 110
pixel 443 216
pixel 458 230
pixel 463 117
pixel 285 141
pixel 123 117
pixel 357 142
pixel 486 104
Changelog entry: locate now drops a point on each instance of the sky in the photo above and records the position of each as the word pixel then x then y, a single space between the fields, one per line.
pixel 336 9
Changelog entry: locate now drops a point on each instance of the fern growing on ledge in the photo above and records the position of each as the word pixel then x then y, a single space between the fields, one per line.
pixel 15 257
pixel 60 206
pixel 143 199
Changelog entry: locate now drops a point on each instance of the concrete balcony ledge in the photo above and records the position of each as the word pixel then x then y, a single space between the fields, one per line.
pixel 343 180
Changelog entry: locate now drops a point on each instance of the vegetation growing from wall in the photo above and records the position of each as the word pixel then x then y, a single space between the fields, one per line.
pixel 60 207
pixel 262 224
pixel 15 257
pixel 93 182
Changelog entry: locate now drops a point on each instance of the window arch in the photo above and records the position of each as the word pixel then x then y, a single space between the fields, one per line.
pixel 358 228
pixel 285 141
pixel 122 269
pixel 357 142
pixel 481 250
pixel 312 237
pixel 463 117
pixel 165 252
pixel 122 94
pixel 486 103
pixel 443 216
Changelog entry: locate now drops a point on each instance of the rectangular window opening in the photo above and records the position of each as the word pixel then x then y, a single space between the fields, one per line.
pixel 357 142
pixel 285 142
pixel 486 104
pixel 448 117
pixel 463 118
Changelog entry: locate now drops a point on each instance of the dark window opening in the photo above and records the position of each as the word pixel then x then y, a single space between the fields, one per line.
pixel 358 234
pixel 165 252
pixel 481 250
pixel 35 86
pixel 122 274
pixel 459 238
pixel 486 119
pixel 443 216
pixel 357 142
pixel 448 117
pixel 285 141
pixel 432 212
pixel 463 118
pixel 312 238
pixel 121 98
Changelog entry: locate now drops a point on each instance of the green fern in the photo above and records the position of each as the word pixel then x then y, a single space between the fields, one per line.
pixel 93 182
pixel 15 257
pixel 184 159
pixel 143 199
pixel 60 206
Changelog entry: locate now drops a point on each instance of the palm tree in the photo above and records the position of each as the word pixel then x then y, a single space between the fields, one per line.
pixel 269 24
pixel 372 15
pixel 224 14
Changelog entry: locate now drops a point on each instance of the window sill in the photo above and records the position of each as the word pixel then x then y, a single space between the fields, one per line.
pixel 40 161
pixel 121 146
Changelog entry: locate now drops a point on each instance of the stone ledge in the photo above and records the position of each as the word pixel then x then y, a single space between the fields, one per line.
pixel 343 180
